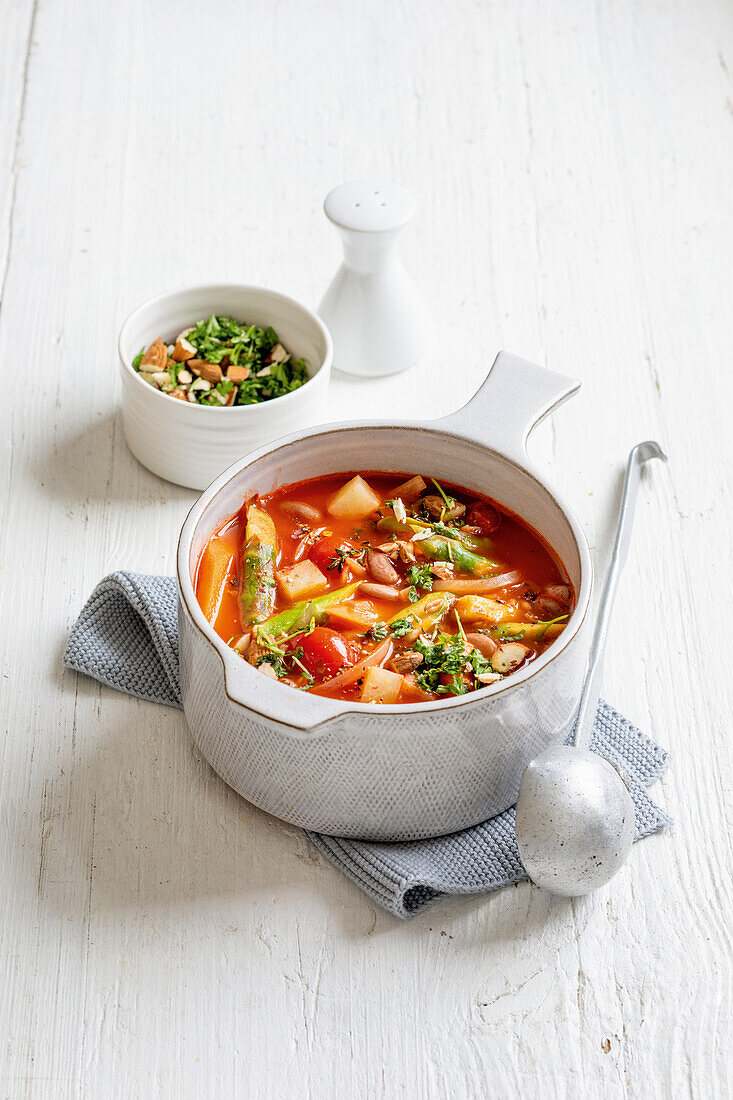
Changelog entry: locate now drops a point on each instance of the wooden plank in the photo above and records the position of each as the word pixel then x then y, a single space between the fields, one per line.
pixel 161 937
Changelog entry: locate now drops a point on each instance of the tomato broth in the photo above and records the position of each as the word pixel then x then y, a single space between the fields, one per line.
pixel 382 588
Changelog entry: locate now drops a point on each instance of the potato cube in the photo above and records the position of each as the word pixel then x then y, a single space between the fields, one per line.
pixel 482 609
pixel 355 499
pixel 300 581
pixel 354 615
pixel 381 686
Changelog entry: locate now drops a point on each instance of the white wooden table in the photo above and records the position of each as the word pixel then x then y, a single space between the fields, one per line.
pixel 572 164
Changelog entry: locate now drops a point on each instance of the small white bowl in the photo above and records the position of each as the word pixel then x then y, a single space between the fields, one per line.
pixel 190 444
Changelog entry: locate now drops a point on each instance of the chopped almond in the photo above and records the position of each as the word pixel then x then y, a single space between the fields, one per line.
pixel 508 657
pixel 203 369
pixel 232 396
pixel 237 374
pixel 406 662
pixel 183 350
pixel 155 358
pixel 278 355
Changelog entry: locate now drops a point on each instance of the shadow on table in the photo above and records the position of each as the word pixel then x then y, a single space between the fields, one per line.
pixel 141 825
pixel 138 823
pixel 94 464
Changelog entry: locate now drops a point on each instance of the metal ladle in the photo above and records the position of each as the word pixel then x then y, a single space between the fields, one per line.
pixel 575 817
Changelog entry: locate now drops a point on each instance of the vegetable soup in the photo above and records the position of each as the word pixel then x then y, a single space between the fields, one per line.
pixel 382 588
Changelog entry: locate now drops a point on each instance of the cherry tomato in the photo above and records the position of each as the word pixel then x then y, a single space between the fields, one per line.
pixel 484 516
pixel 325 652
pixel 326 552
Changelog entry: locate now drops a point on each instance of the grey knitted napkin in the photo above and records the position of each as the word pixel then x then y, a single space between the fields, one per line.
pixel 127 637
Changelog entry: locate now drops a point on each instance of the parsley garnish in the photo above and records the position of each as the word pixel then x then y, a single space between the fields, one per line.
pixel 222 338
pixel 421 577
pixel 377 632
pixel 445 659
pixel 338 561
pixel 400 627
pixel 277 662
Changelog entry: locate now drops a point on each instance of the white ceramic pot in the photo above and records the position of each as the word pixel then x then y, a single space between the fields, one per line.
pixel 188 443
pixel 391 772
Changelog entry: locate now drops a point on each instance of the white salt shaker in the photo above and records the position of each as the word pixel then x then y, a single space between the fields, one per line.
pixel 377 319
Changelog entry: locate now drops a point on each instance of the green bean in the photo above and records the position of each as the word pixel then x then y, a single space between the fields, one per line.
pixel 462 545
pixel 426 612
pixel 299 615
pixel 532 632
pixel 478 545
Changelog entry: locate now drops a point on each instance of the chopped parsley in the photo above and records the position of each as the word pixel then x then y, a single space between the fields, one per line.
pixel 377 632
pixel 285 662
pixel 225 342
pixel 400 627
pixel 445 664
pixel 419 576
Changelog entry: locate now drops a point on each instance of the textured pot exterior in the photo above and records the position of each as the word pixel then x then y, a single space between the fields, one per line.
pixel 401 776
pixel 399 772
pixel 190 444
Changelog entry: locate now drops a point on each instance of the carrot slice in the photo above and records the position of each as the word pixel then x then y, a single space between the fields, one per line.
pixel 214 568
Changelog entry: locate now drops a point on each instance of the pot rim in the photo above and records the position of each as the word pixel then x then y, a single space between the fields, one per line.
pixel 242 411
pixel 436 707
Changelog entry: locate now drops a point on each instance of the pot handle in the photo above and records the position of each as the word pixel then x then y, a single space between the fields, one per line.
pixel 513 399
pixel 301 712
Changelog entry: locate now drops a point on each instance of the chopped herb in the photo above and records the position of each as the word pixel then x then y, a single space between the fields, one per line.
pixel 421 577
pixel 400 627
pixel 225 342
pixel 338 561
pixel 277 662
pixel 341 556
pixel 446 664
pixel 377 632
pixel 283 660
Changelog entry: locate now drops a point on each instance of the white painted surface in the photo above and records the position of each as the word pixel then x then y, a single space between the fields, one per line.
pixel 572 169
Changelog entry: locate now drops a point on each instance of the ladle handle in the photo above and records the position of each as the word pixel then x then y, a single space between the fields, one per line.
pixel 640 454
